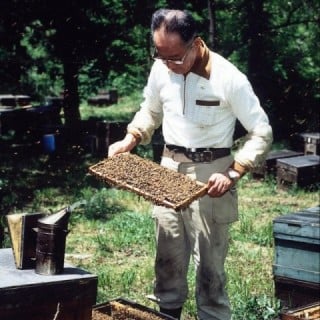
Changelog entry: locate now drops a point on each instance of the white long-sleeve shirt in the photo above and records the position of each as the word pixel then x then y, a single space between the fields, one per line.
pixel 199 111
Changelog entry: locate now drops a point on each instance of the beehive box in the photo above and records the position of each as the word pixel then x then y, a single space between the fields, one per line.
pixel 306 312
pixel 302 171
pixel 311 142
pixel 295 293
pixel 26 295
pixel 297 245
pixel 269 165
pixel 123 309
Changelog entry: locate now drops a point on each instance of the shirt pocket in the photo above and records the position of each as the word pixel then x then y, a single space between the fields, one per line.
pixel 206 111
pixel 208 103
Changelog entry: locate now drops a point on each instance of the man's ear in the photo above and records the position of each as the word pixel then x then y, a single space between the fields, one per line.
pixel 198 41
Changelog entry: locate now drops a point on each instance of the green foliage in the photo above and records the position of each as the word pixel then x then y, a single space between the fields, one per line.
pixel 295 32
pixel 100 204
pixel 124 110
pixel 256 308
pixel 128 231
pixel 91 79
pixel 112 235
pixel 106 44
pixel 127 80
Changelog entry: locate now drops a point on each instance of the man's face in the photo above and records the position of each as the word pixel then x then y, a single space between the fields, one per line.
pixel 170 49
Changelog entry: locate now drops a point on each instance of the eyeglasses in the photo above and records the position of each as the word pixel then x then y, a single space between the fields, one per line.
pixel 180 61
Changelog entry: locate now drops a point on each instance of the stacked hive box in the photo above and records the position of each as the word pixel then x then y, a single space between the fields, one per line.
pixel 302 171
pixel 298 167
pixel 269 165
pixel 311 142
pixel 296 267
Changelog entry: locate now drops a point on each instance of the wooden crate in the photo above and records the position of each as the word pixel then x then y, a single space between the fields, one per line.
pixel 306 312
pixel 302 171
pixel 297 245
pixel 130 309
pixel 295 293
pixel 311 142
pixel 269 165
pixel 26 295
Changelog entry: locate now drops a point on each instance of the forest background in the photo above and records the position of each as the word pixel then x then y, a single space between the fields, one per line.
pixel 79 47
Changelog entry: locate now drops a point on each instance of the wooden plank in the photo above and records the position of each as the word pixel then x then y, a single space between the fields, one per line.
pixel 309 312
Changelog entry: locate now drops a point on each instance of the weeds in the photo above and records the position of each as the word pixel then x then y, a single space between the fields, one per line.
pixel 130 233
pixel 256 308
pixel 114 231
pixel 100 204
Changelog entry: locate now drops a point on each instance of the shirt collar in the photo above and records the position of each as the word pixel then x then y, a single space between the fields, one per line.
pixel 202 65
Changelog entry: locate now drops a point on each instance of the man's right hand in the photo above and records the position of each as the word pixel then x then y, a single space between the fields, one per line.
pixel 125 145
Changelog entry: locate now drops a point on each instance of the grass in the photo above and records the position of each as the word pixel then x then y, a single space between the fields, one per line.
pixel 122 111
pixel 121 245
pixel 112 235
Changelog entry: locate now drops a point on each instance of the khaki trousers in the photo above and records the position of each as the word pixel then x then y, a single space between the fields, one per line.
pixel 200 231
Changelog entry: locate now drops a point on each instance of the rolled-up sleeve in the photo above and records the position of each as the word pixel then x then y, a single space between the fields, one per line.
pixel 258 141
pixel 150 115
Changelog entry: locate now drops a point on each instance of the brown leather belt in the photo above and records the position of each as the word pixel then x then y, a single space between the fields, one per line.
pixel 182 154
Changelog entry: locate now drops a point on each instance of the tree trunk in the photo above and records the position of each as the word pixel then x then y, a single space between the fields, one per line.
pixel 261 58
pixel 71 93
pixel 258 69
pixel 213 39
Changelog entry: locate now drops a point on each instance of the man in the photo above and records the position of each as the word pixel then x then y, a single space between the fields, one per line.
pixel 197 96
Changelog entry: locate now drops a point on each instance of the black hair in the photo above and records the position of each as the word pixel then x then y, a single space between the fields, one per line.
pixel 174 21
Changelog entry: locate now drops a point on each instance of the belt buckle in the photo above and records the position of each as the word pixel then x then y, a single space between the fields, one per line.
pixel 200 156
pixel 196 156
pixel 207 156
pixel 193 155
